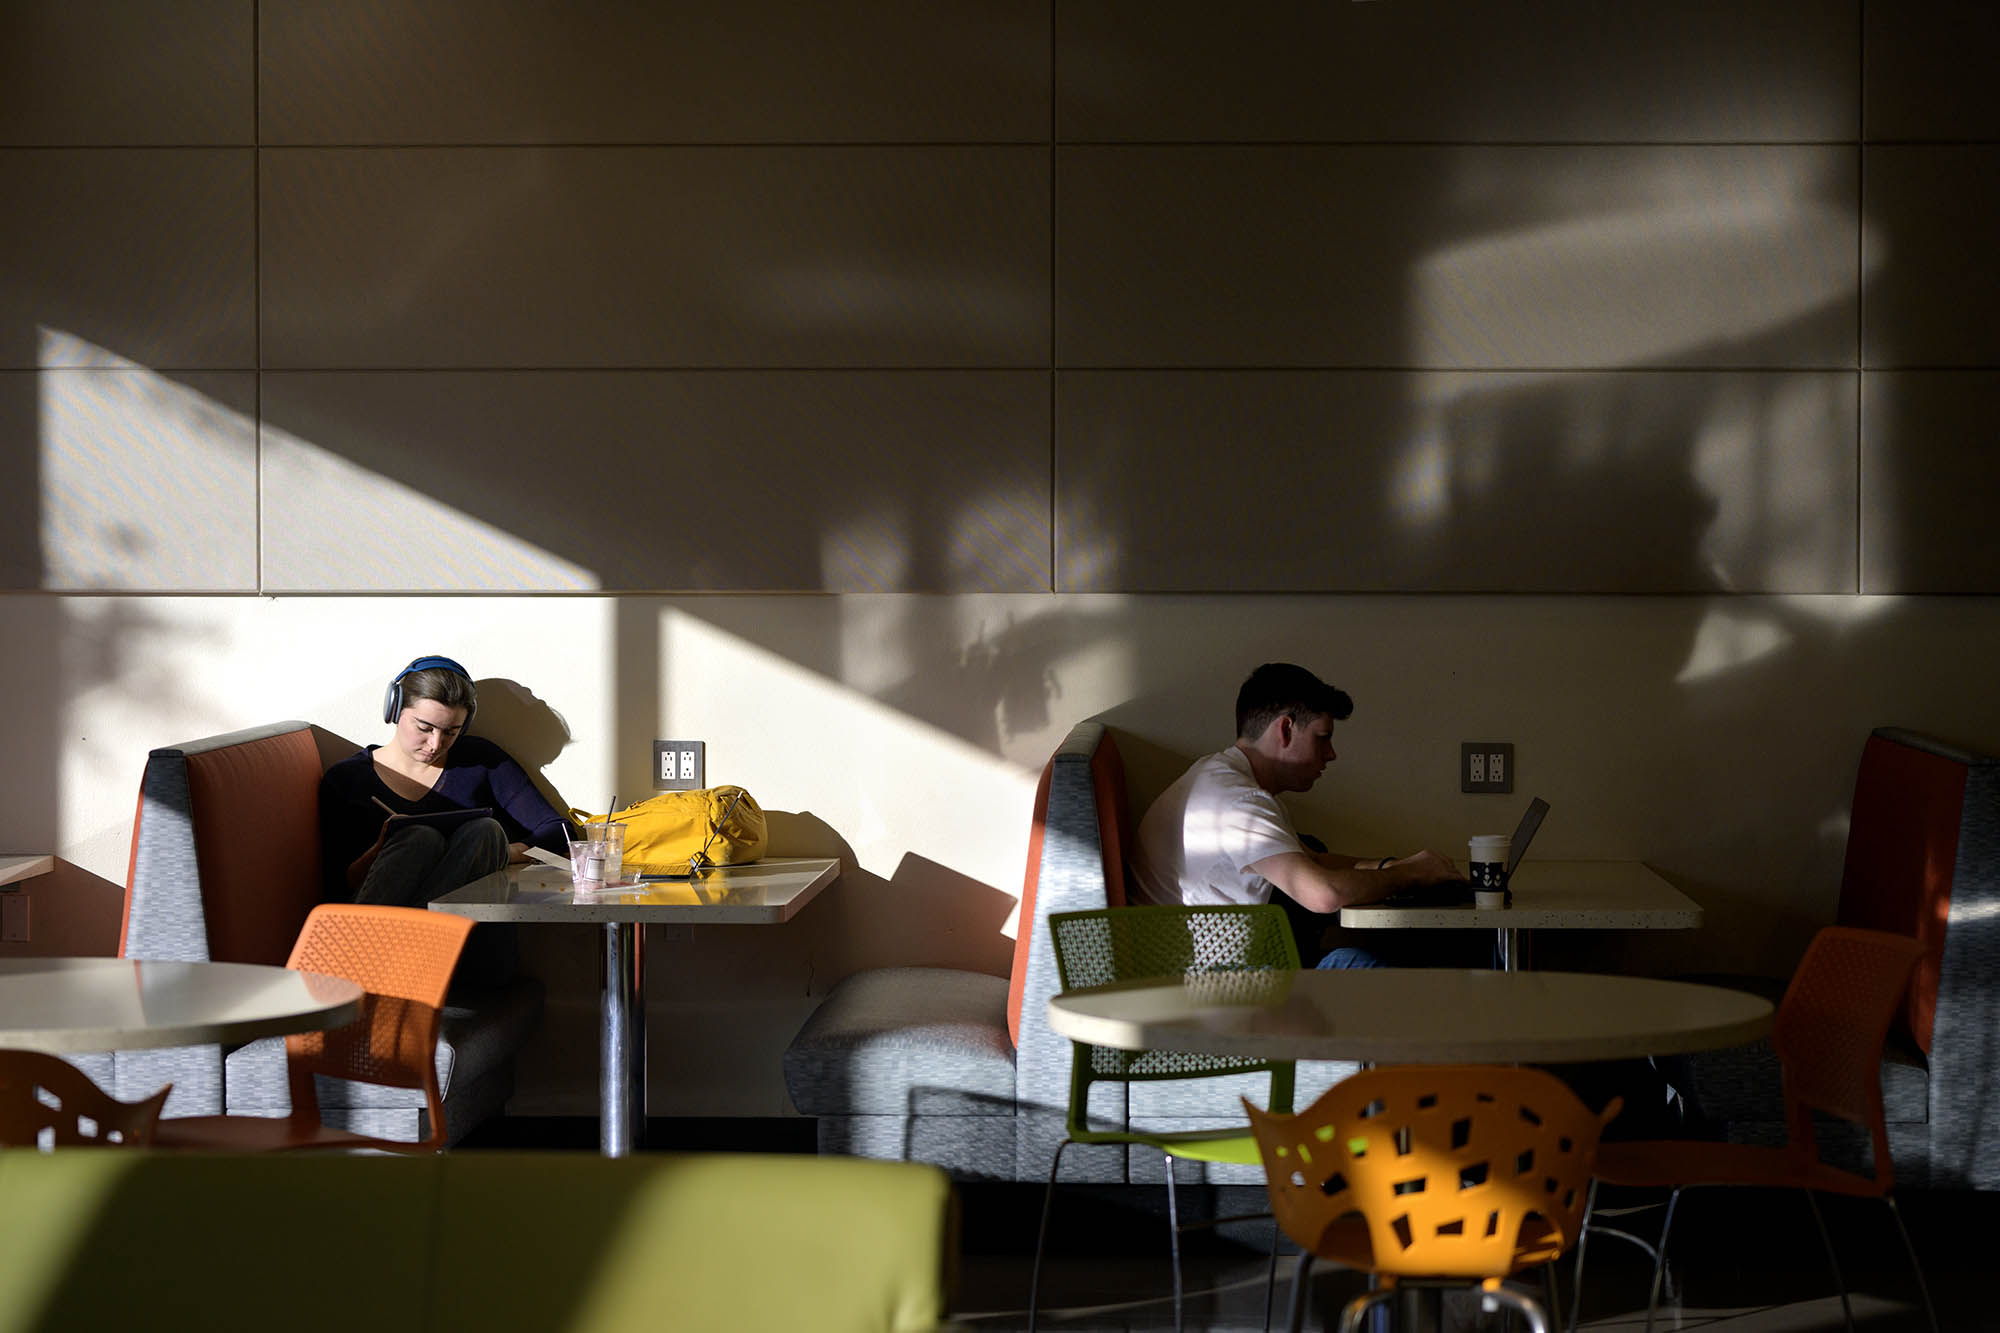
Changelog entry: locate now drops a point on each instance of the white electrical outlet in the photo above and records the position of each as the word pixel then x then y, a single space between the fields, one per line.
pixel 679 765
pixel 1486 766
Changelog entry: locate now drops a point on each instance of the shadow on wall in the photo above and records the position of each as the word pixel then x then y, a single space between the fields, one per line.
pixel 923 910
pixel 514 718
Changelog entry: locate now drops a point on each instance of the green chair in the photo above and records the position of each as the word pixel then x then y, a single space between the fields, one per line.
pixel 1131 943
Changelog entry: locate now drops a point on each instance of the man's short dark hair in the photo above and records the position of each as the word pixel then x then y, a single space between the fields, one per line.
pixel 1279 689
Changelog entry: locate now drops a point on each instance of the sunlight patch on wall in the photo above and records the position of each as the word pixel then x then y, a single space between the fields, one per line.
pixel 146 482
pixel 1631 287
pixel 1848 611
pixel 1728 640
pixel 1762 456
pixel 330 524
pixel 1420 487
pixel 838 761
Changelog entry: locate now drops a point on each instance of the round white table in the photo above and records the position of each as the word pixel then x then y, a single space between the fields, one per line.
pixel 64 1005
pixel 1413 1016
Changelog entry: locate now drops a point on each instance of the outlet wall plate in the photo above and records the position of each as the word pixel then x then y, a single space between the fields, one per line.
pixel 14 916
pixel 680 765
pixel 1486 767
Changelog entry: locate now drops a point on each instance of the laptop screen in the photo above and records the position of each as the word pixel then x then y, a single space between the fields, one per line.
pixel 1524 832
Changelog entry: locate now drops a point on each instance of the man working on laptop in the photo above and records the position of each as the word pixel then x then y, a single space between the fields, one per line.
pixel 1220 835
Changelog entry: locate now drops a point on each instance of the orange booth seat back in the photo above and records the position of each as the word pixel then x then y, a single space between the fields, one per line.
pixel 1107 786
pixel 242 819
pixel 1903 853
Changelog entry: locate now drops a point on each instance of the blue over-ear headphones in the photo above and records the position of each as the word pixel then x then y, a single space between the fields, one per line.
pixel 392 702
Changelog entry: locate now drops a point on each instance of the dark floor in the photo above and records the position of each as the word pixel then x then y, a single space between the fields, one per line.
pixel 1742 1261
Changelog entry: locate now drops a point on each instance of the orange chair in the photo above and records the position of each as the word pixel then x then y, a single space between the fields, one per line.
pixel 403 958
pixel 1828 1036
pixel 1432 1176
pixel 42 1094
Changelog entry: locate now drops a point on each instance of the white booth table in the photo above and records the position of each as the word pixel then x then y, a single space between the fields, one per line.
pixel 764 893
pixel 1551 895
pixel 67 1005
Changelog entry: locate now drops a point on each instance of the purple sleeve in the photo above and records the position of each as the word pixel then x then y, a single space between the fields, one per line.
pixel 478 772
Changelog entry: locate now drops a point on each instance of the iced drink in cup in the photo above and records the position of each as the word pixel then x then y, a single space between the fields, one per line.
pixel 1487 868
pixel 586 864
pixel 612 835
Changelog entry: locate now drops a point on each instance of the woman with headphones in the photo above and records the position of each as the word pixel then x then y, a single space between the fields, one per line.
pixel 430 767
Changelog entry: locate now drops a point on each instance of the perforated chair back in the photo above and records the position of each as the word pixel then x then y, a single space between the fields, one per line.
pixel 1830 1030
pixel 44 1095
pixel 1467 1172
pixel 1134 943
pixel 403 957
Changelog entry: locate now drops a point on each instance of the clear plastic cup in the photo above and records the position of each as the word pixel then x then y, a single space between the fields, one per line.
pixel 612 835
pixel 587 859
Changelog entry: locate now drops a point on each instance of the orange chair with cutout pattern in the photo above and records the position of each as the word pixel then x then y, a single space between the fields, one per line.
pixel 403 957
pixel 43 1095
pixel 1432 1176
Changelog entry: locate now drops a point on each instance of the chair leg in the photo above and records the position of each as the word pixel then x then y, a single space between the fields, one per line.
pixel 1174 1238
pixel 1832 1259
pixel 1660 1259
pixel 1528 1309
pixel 1271 1276
pixel 1042 1238
pixel 1582 1240
pixel 1301 1280
pixel 1923 1287
pixel 1552 1297
pixel 1357 1309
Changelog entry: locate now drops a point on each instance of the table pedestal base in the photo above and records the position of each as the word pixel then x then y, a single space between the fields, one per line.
pixel 622 1040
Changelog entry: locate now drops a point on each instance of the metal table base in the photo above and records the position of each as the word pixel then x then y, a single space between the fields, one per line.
pixel 622 1040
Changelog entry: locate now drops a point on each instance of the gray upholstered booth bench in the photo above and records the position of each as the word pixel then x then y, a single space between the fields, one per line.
pixel 225 866
pixel 961 1068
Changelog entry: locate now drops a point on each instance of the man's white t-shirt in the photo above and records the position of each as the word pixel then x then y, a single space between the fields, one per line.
pixel 1196 844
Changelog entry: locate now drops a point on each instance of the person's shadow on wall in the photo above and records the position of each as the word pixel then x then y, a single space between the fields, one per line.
pixel 514 718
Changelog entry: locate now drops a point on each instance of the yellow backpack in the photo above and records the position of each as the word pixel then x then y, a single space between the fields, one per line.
pixel 724 825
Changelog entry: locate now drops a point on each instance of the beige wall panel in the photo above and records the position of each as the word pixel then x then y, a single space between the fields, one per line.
pixel 1933 70
pixel 126 72
pixel 1375 481
pixel 1456 258
pixel 143 255
pixel 1720 70
pixel 1929 473
pixel 1931 218
pixel 630 480
pixel 120 478
pixel 655 257
pixel 515 71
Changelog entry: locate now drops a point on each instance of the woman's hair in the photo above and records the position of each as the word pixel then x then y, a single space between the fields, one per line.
pixel 442 685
